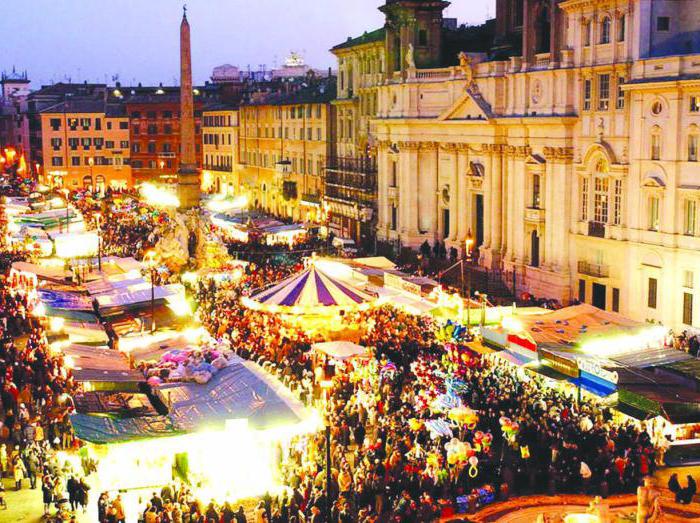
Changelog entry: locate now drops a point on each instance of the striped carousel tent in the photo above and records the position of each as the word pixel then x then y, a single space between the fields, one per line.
pixel 310 292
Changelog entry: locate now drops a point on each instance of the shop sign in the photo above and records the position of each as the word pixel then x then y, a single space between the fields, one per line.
pixel 566 366
pixel 593 367
pixel 397 282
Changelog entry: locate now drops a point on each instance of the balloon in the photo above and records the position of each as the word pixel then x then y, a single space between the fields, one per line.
pixel 473 461
pixel 415 424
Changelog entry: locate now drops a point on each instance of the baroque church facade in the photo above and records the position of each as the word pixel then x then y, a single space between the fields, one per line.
pixel 567 154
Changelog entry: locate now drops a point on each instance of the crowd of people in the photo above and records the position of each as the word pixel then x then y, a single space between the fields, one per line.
pixel 128 226
pixel 392 434
pixel 386 461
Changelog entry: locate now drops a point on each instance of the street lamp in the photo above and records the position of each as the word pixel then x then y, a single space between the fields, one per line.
pixel 468 243
pixel 150 259
pixel 98 222
pixel 326 385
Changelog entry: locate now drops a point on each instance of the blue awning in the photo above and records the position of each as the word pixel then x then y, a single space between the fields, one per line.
pixel 594 384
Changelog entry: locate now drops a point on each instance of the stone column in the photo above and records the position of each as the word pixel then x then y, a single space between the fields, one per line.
pixel 409 190
pixel 455 193
pixel 496 199
pixel 464 204
pixel 488 194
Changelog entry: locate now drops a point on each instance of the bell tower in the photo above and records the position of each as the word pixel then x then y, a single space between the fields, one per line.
pixel 416 23
pixel 188 182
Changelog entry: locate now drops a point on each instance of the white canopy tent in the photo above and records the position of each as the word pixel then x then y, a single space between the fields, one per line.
pixel 340 350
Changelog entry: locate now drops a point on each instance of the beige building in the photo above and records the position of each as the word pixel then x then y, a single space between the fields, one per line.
pixel 86 145
pixel 284 145
pixel 568 154
pixel 220 164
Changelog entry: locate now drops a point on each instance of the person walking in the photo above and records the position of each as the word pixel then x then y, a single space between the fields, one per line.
pixel 19 471
pixel 32 468
pixel 83 497
pixel 47 491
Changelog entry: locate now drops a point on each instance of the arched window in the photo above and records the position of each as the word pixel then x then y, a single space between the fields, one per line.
pixel 621 28
pixel 87 182
pixel 605 30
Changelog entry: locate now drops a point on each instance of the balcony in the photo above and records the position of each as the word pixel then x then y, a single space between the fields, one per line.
pixel 366 183
pixel 593 269
pixel 596 229
pixel 349 196
pixel 542 61
pixel 361 165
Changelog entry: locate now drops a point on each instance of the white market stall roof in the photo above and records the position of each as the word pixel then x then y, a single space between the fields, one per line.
pixel 312 290
pixel 99 364
pixel 240 391
pixel 340 350
pixel 115 283
pixel 375 262
pixel 124 299
pixel 42 272
pixel 569 325
pixel 147 346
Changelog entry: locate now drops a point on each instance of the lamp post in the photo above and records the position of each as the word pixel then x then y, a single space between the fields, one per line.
pixel 91 162
pixel 468 244
pixel 151 263
pixel 326 385
pixel 67 212
pixel 98 221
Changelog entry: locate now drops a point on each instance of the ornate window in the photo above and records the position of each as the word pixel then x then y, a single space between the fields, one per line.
pixel 587 30
pixel 621 28
pixel 653 216
pixel 620 102
pixel 617 202
pixel 605 30
pixel 693 144
pixel 601 199
pixel 584 199
pixel 536 190
pixel 603 92
pixel 587 95
pixel 655 144
pixel 689 217
pixel 695 104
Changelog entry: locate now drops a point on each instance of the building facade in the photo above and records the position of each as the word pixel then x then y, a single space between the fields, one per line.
pixel 220 150
pixel 285 141
pixel 351 172
pixel 569 159
pixel 154 124
pixel 86 145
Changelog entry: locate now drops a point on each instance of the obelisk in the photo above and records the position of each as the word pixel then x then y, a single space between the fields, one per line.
pixel 188 184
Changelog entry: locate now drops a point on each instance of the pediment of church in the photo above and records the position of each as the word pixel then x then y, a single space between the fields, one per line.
pixel 471 106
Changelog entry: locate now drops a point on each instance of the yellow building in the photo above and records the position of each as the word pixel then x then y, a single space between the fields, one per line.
pixel 284 144
pixel 220 165
pixel 86 145
pixel 568 155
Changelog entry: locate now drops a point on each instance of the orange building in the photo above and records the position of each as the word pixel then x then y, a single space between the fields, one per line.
pixel 285 140
pixel 86 145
